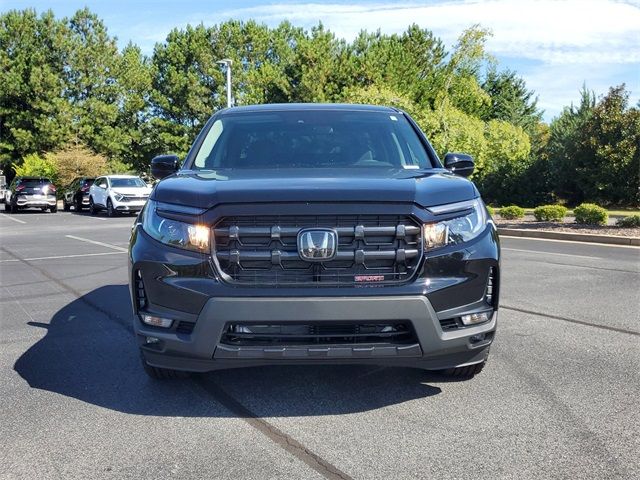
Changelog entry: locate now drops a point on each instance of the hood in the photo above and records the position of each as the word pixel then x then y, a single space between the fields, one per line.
pixel 205 189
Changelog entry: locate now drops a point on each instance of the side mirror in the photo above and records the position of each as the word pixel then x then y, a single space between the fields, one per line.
pixel 164 165
pixel 459 163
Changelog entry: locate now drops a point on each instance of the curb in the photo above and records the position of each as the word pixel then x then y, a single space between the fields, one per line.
pixel 576 237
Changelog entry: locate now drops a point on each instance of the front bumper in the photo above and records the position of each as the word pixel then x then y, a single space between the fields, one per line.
pixel 184 286
pixel 202 351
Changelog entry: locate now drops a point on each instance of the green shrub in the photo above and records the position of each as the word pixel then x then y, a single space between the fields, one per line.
pixel 591 214
pixel 491 210
pixel 512 212
pixel 550 213
pixel 629 222
pixel 37 166
pixel 75 160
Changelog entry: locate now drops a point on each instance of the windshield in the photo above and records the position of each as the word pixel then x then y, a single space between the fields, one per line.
pixel 312 139
pixel 127 182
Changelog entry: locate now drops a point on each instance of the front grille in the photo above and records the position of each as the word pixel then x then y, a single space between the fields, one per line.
pixel 372 249
pixel 132 198
pixel 325 333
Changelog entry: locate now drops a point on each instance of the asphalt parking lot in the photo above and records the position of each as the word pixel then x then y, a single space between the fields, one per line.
pixel 558 399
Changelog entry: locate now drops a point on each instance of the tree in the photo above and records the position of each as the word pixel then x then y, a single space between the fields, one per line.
pixel 409 64
pixel 76 160
pixel 452 130
pixel 92 85
pixel 65 79
pixel 594 149
pixel 269 79
pixel 375 95
pixel 510 100
pixel 33 165
pixel 34 116
pixel 459 80
pixel 187 86
pixel 564 152
pixel 610 141
pixel 501 179
pixel 316 76
pixel 134 90
pixel 65 83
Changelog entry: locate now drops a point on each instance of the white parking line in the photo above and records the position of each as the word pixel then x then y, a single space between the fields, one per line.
pixel 102 244
pixel 60 256
pixel 570 241
pixel 4 215
pixel 550 253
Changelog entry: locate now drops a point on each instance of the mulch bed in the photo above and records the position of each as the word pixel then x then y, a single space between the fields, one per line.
pixel 568 227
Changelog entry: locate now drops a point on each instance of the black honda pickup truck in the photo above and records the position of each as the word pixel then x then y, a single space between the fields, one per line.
pixel 314 233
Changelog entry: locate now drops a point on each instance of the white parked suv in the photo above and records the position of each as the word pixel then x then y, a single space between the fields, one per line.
pixel 118 194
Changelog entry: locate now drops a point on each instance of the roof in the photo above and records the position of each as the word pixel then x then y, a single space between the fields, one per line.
pixel 121 176
pixel 278 107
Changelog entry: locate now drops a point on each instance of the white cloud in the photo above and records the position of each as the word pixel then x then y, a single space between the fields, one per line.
pixel 554 31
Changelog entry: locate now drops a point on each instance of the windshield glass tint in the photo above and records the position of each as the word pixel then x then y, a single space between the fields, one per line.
pixel 127 182
pixel 312 139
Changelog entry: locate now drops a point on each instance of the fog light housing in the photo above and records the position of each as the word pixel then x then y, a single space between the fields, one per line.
pixel 435 235
pixel 156 321
pixel 477 338
pixel 474 318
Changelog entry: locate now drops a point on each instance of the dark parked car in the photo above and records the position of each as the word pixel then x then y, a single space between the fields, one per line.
pixel 76 194
pixel 302 234
pixel 31 192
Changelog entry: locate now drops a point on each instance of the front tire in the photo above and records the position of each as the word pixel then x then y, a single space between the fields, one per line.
pixel 158 373
pixel 110 210
pixel 92 207
pixel 65 206
pixel 53 209
pixel 78 205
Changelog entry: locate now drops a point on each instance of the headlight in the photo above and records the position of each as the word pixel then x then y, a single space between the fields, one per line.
pixel 173 232
pixel 463 228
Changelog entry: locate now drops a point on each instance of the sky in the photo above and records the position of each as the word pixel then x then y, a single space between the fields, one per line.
pixel 555 45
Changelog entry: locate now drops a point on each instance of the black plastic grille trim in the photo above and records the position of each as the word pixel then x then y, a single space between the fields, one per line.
pixel 449 324
pixel 492 288
pixel 324 333
pixel 141 296
pixel 185 327
pixel 262 250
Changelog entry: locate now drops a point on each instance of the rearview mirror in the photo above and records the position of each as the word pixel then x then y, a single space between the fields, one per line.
pixel 459 163
pixel 164 165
